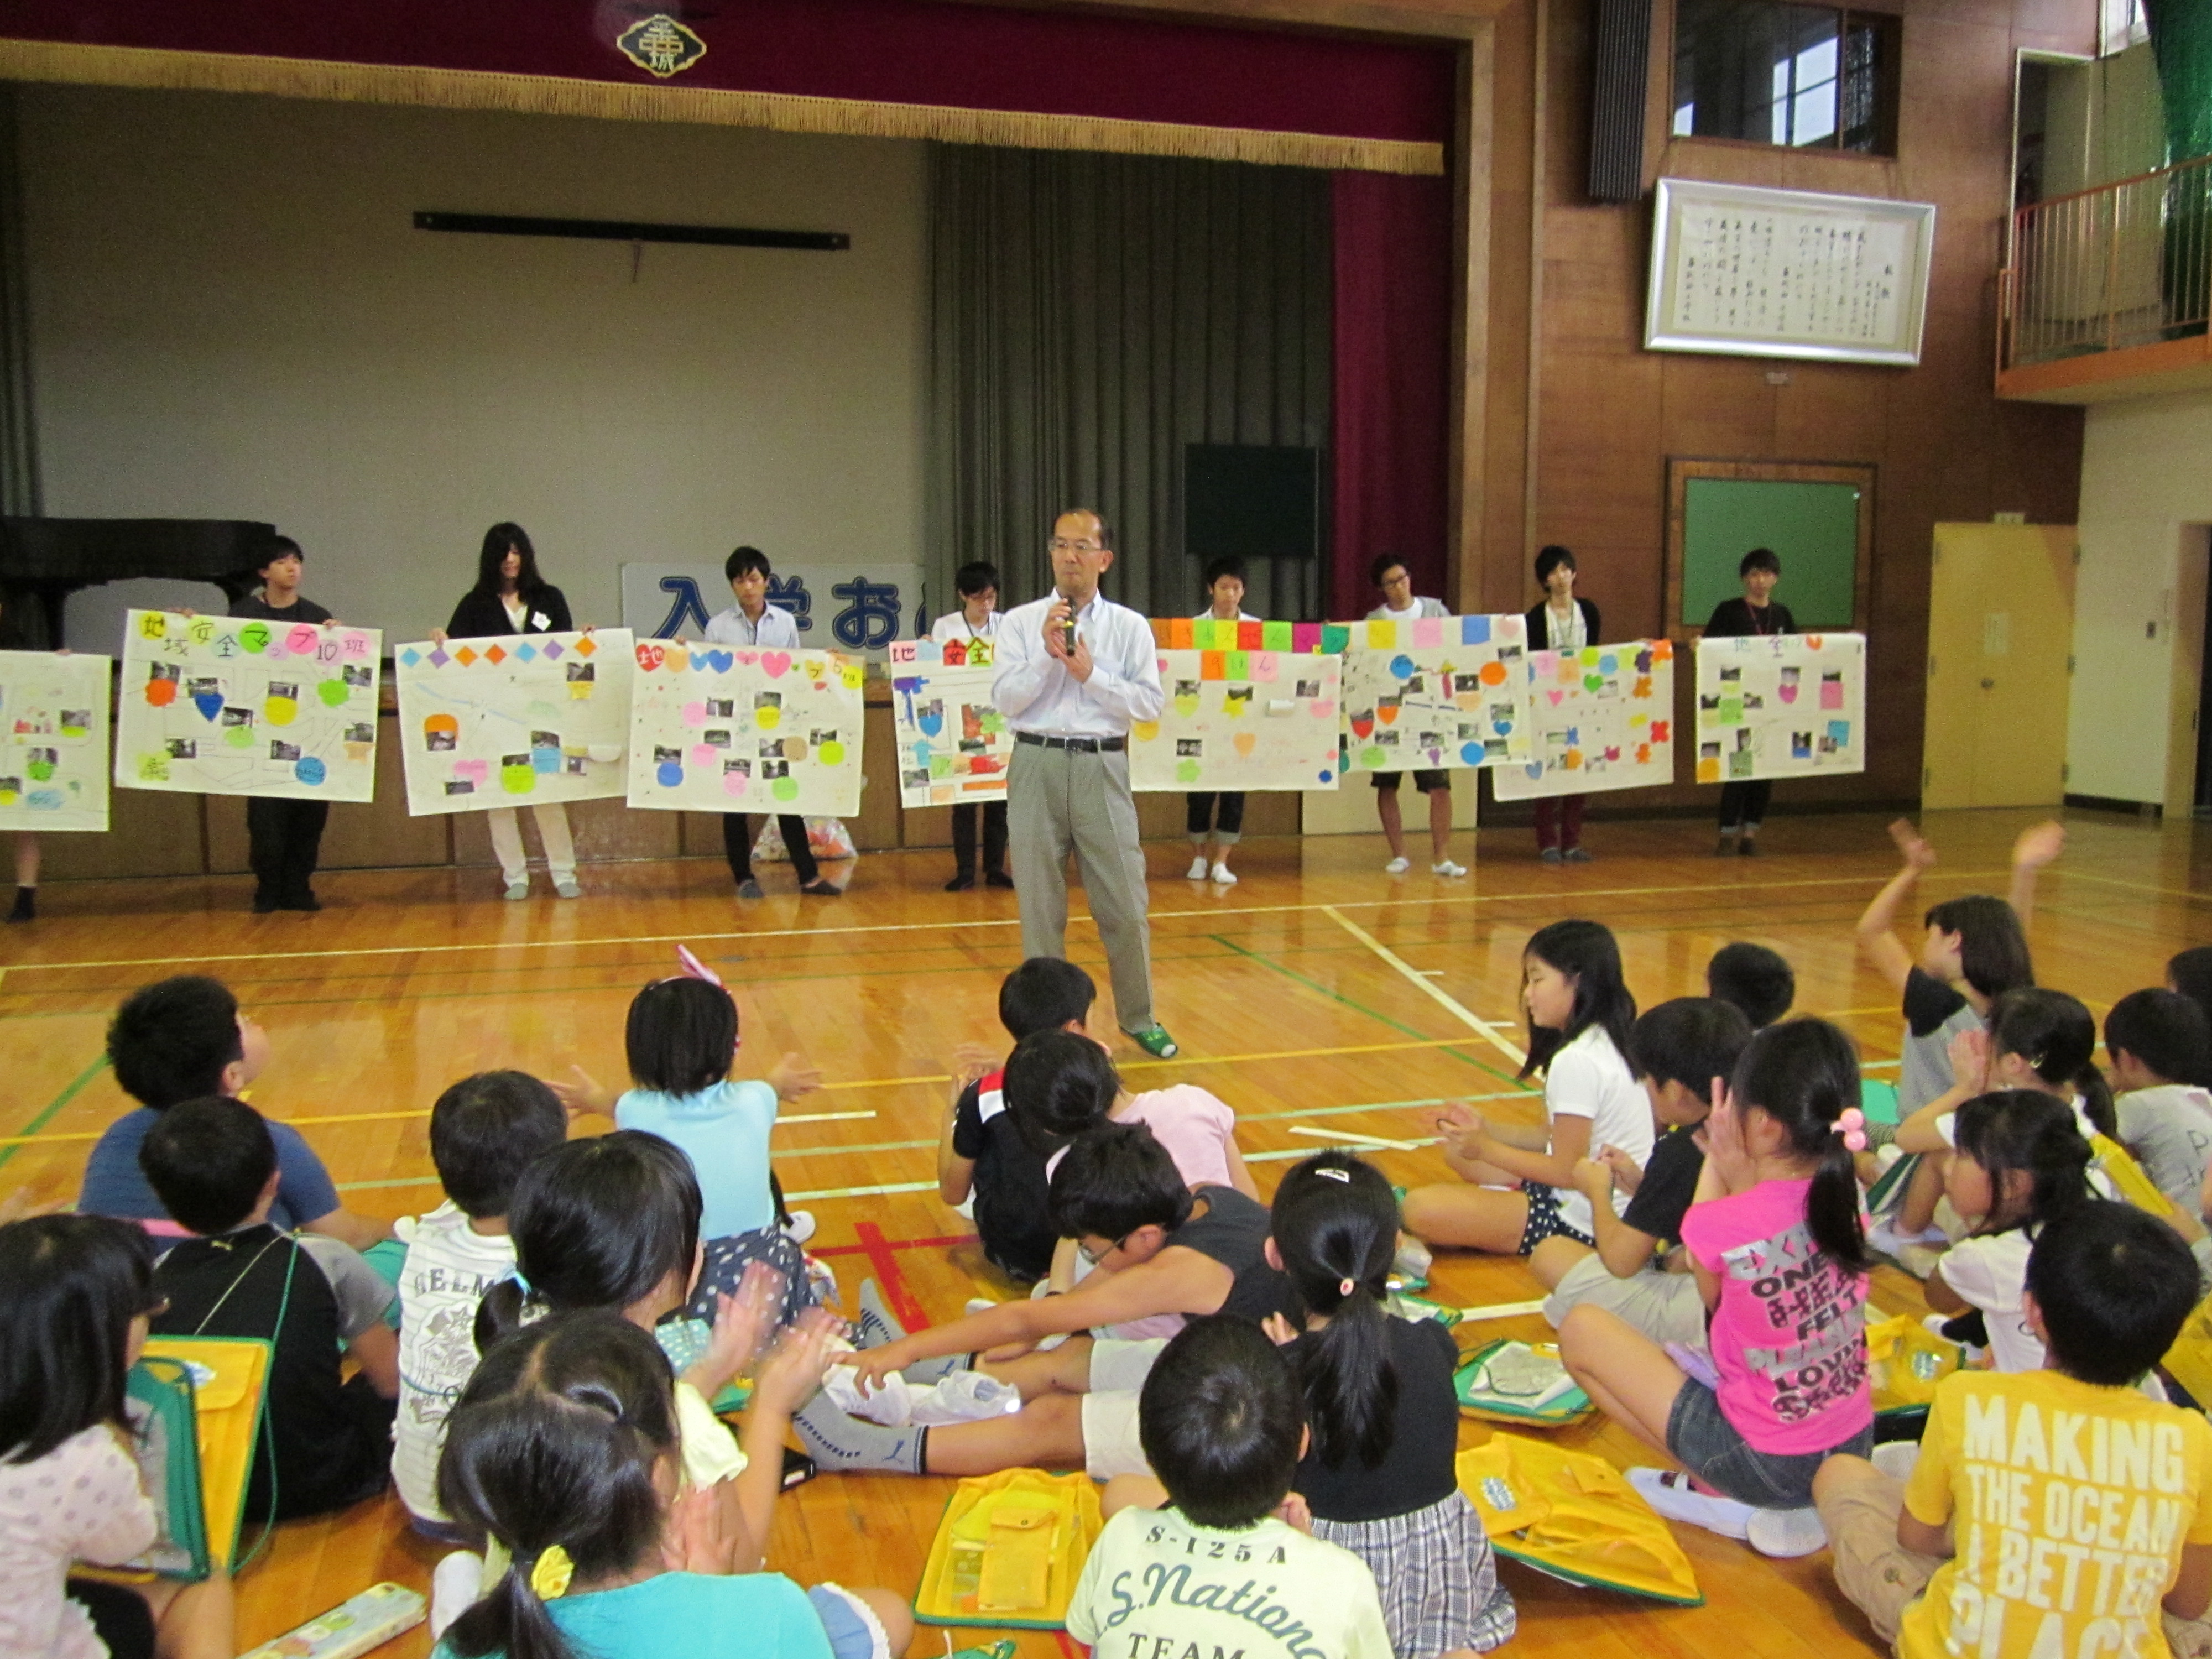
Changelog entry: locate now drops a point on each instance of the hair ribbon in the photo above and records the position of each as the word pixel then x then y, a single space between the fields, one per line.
pixel 1850 1124
pixel 1334 1172
pixel 550 1575
pixel 695 968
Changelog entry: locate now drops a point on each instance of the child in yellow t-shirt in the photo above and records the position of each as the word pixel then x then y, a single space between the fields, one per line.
pixel 2057 1511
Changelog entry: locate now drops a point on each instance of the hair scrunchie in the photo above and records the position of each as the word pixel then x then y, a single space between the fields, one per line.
pixel 550 1573
pixel 1850 1124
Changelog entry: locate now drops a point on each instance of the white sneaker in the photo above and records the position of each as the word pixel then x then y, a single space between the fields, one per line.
pixel 1397 866
pixel 801 1228
pixel 1785 1533
pixel 1670 1493
pixel 1197 870
pixel 1223 876
pixel 1895 1458
pixel 1446 867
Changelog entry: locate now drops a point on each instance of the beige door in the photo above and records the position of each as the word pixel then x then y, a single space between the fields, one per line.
pixel 2000 628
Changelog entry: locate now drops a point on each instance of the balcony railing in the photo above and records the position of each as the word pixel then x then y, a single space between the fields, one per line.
pixel 2123 265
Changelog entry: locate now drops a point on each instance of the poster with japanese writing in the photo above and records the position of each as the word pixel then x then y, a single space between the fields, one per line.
pixel 53 740
pixel 1241 719
pixel 219 706
pixel 519 719
pixel 1435 693
pixel 1601 718
pixel 953 745
pixel 731 729
pixel 1781 706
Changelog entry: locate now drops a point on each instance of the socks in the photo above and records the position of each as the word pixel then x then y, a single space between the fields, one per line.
pixel 26 905
pixel 878 1325
pixel 838 1442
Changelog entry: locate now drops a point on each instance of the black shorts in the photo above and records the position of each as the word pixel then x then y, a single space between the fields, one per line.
pixel 1427 782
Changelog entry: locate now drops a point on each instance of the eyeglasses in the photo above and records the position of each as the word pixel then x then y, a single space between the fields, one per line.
pixel 1094 1257
pixel 1062 545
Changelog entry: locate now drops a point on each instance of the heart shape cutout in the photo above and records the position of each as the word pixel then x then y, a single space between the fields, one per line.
pixel 1245 742
pixel 776 664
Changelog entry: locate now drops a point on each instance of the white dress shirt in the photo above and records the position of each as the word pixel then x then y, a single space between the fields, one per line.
pixel 1035 692
pixel 1412 612
pixel 955 625
pixel 774 628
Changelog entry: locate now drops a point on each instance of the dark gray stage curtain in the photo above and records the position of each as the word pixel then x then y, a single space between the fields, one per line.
pixel 1091 314
pixel 19 449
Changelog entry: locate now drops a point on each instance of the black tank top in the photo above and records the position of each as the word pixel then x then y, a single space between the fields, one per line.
pixel 1234 1232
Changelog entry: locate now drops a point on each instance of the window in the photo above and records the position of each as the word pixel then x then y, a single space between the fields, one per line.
pixel 1806 77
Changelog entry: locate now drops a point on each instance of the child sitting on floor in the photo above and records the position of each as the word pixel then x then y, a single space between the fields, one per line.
pixel 327 1442
pixel 2050 1511
pixel 1681 1048
pixel 682 1040
pixel 981 1153
pixel 1167 1250
pixel 1229 1566
pixel 2159 1045
pixel 183 1039
pixel 564 1450
pixel 1759 982
pixel 484 1131
pixel 1057 1090
pixel 1516 1186
pixel 80 1295
pixel 1775 1240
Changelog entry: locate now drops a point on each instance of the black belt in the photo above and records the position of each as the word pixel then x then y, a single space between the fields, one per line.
pixel 1079 745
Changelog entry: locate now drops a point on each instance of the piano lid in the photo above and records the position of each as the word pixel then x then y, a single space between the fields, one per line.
pixel 50 554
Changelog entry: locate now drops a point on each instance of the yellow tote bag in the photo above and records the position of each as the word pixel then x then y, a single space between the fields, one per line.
pixel 1906 1360
pixel 1574 1516
pixel 1009 1550
pixel 228 1407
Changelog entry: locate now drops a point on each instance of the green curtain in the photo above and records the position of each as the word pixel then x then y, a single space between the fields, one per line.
pixel 19 449
pixel 1089 315
pixel 2181 36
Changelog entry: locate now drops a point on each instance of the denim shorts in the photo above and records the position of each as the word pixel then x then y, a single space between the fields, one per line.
pixel 1704 1442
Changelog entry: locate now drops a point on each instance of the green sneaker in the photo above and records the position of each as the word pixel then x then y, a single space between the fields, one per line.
pixel 1155 1041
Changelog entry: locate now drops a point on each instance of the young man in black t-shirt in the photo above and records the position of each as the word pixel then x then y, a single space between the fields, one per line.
pixel 327 1442
pixel 1678 1049
pixel 981 1151
pixel 284 837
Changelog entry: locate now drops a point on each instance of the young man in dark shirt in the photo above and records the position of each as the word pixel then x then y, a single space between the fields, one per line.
pixel 1743 803
pixel 284 837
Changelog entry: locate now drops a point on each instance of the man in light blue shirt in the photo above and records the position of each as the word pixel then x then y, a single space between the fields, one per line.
pixel 1075 671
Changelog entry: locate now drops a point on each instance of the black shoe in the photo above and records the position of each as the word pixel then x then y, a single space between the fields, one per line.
pixel 26 905
pixel 822 888
pixel 264 905
pixel 1727 844
pixel 1748 847
pixel 960 883
pixel 998 878
pixel 305 901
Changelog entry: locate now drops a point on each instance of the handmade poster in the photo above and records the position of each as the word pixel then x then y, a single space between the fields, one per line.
pixel 953 745
pixel 219 705
pixel 53 740
pixel 1601 718
pixel 719 728
pixel 1241 719
pixel 528 720
pixel 1206 634
pixel 1781 706
pixel 1435 693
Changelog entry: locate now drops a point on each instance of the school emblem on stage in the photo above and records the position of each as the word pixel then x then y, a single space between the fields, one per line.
pixel 660 45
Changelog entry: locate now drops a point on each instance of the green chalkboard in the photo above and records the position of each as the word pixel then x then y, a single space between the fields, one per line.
pixel 1814 528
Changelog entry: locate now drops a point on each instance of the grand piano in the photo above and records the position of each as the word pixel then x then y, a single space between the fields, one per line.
pixel 49 559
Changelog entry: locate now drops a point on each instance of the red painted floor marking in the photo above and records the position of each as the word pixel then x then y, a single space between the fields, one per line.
pixel 882 1244
pixel 883 1256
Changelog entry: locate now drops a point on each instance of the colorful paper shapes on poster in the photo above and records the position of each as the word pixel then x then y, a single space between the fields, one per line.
pixel 954 747
pixel 731 729
pixel 53 740
pixel 1435 693
pixel 1781 706
pixel 529 719
pixel 1601 718
pixel 1241 719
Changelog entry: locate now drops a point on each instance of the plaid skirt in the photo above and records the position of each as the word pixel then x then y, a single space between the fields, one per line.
pixel 1436 1575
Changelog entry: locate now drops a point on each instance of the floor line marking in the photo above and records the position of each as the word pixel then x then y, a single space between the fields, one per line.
pixel 1341 1136
pixel 860 1192
pixel 8 1148
pixel 1351 1143
pixel 951 1241
pixel 1450 1004
pixel 1533 896
pixel 889 1277
pixel 377 1117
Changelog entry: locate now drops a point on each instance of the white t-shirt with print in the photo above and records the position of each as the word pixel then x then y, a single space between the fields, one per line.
pixel 1588 1079
pixel 448 1268
pixel 1158 1584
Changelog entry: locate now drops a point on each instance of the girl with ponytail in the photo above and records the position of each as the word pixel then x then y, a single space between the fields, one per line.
pixel 1378 1472
pixel 564 1450
pixel 1774 1237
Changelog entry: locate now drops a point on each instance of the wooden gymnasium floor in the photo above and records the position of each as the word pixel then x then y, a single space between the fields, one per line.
pixel 1319 991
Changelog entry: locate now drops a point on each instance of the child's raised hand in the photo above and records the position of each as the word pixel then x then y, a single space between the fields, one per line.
pixel 792 1078
pixel 697 1536
pixel 1970 1058
pixel 1918 854
pixel 583 1095
pixel 1722 1137
pixel 2038 845
pixel 972 1062
pixel 1279 1330
pixel 788 1378
pixel 19 1206
pixel 1459 1123
pixel 743 1319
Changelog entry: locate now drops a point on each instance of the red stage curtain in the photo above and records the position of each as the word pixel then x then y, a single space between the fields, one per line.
pixel 1393 335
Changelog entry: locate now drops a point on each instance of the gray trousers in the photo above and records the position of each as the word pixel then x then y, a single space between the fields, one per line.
pixel 1059 799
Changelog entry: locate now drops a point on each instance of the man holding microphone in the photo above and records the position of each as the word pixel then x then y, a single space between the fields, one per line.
pixel 1075 671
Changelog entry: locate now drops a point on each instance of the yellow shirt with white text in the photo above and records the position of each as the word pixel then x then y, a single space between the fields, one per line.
pixel 2068 1505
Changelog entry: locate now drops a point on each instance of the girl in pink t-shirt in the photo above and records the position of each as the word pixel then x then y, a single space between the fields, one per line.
pixel 1777 1240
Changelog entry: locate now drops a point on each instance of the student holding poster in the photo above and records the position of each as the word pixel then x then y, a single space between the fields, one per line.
pixel 284 837
pixel 753 622
pixel 976 623
pixel 1225 593
pixel 1743 804
pixel 510 596
pixel 1389 573
pixel 1560 622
